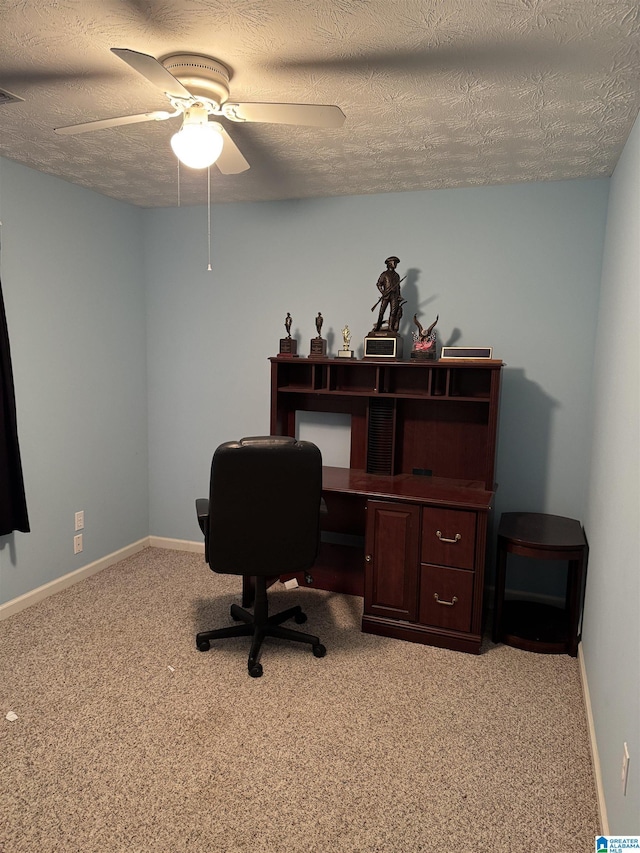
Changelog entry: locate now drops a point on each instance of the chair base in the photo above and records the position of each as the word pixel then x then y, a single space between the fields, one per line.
pixel 259 625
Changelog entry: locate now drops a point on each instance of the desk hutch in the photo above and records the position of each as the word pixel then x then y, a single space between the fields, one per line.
pixel 406 523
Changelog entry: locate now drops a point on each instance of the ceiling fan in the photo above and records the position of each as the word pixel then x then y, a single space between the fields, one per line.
pixel 197 87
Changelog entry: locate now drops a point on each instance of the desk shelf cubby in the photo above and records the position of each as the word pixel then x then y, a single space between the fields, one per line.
pixel 390 379
pixel 439 417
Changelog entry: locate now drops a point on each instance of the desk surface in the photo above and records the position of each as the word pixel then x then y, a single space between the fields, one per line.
pixel 467 494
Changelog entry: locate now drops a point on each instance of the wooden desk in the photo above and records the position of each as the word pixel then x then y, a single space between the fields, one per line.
pixel 413 544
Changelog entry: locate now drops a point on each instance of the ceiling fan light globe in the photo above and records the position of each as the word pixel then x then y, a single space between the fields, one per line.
pixel 197 145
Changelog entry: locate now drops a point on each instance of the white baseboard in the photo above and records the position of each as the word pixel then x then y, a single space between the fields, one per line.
pixel 176 544
pixel 595 758
pixel 47 589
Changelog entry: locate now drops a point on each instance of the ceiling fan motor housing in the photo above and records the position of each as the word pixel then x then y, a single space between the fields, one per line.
pixel 203 76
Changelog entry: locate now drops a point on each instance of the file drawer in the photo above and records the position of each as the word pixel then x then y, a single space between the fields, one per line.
pixel 448 537
pixel 446 597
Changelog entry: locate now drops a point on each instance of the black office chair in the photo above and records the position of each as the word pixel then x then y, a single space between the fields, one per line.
pixel 262 519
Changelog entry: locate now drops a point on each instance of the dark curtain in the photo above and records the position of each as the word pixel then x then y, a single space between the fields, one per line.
pixel 13 505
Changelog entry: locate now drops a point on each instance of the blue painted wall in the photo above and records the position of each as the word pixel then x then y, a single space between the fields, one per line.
pixel 515 267
pixel 611 638
pixel 71 269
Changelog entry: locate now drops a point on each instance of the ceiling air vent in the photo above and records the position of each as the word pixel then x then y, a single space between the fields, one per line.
pixel 8 98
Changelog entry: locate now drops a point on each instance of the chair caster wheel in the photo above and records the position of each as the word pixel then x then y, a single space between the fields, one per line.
pixel 255 670
pixel 319 651
pixel 299 618
pixel 233 614
pixel 203 645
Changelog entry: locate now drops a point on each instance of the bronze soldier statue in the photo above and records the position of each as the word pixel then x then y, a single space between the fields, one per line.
pixel 389 286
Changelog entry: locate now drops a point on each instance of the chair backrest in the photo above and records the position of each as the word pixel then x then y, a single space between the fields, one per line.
pixel 264 506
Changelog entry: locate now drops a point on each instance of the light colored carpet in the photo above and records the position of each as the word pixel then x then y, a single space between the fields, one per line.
pixel 129 739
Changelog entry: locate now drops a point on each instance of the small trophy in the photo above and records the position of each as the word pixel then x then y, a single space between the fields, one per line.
pixel 345 352
pixel 318 346
pixel 424 341
pixel 288 345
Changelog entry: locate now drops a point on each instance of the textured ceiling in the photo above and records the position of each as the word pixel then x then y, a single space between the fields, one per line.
pixel 437 93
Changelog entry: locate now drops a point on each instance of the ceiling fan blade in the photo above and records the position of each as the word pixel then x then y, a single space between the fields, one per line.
pixel 156 73
pixel 157 115
pixel 231 161
pixel 309 115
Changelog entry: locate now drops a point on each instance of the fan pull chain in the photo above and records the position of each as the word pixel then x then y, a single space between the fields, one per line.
pixel 209 216
pixel 178 183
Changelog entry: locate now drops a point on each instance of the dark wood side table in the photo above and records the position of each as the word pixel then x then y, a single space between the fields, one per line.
pixel 530 625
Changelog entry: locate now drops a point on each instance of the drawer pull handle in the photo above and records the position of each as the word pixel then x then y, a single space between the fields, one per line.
pixel 451 541
pixel 368 558
pixel 447 603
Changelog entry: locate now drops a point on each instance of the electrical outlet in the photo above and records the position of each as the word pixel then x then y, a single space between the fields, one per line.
pixel 80 520
pixel 77 543
pixel 624 775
